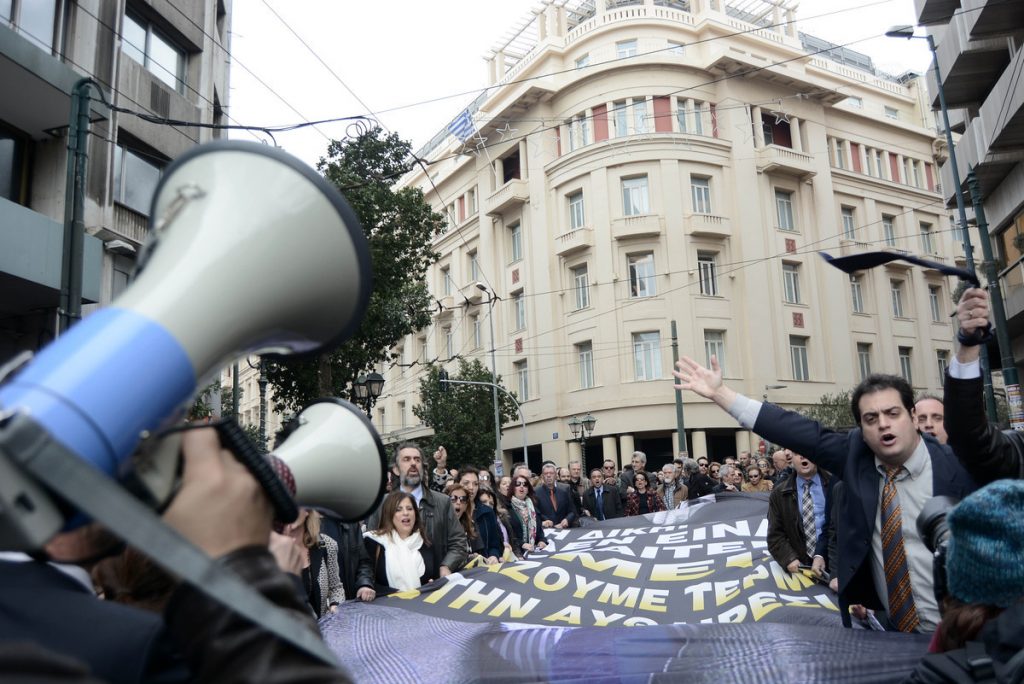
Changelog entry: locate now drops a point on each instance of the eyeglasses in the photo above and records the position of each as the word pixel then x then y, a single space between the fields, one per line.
pixel 461 499
pixel 485 479
pixel 609 467
pixel 521 483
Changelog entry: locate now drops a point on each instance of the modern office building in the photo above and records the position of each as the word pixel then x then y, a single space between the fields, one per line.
pixel 164 59
pixel 639 164
pixel 978 45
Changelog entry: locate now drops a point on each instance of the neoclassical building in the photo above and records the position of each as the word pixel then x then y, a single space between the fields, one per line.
pixel 659 163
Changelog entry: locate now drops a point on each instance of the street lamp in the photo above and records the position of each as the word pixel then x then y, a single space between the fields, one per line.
pixel 367 389
pixel 494 373
pixel 772 387
pixel 908 33
pixel 581 429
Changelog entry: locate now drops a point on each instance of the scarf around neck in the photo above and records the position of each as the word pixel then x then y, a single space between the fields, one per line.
pixel 402 560
pixel 524 509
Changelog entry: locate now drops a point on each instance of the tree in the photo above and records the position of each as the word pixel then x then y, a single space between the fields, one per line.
pixel 832 410
pixel 462 416
pixel 400 227
pixel 202 405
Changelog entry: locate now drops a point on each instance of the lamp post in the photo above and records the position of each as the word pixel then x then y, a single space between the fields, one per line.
pixel 908 33
pixel 494 372
pixel 582 428
pixel 772 387
pixel 367 389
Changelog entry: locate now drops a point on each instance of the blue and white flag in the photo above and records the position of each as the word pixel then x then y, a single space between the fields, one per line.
pixel 462 127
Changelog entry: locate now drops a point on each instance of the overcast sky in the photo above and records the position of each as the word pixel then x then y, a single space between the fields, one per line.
pixel 394 55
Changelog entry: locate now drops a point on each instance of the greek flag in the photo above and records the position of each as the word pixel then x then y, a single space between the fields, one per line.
pixel 462 127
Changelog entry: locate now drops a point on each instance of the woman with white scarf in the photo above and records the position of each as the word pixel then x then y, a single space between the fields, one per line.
pixel 400 550
pixel 527 532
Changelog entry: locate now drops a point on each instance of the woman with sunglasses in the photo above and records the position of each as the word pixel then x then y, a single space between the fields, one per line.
pixel 756 481
pixel 643 499
pixel 462 504
pixel 713 468
pixel 527 533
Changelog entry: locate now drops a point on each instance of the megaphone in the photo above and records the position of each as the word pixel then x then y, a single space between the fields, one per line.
pixel 335 460
pixel 251 252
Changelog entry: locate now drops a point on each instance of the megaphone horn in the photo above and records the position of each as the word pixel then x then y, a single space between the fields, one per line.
pixel 335 460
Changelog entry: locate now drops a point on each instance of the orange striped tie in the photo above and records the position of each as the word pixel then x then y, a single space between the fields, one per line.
pixel 902 611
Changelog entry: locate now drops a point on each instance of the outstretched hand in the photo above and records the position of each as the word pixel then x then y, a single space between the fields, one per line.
pixel 696 378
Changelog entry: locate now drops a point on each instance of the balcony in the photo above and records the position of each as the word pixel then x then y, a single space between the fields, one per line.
pixel 935 11
pixel 512 194
pixel 635 227
pixel 929 270
pixel 574 241
pixel 707 225
pixel 777 159
pixel 969 67
pixel 988 18
pixel 851 247
pixel 130 224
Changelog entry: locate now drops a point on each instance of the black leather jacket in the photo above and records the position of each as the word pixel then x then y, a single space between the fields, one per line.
pixel 987 453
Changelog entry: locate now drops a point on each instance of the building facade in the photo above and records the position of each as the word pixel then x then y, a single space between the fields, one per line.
pixel 653 163
pixel 164 59
pixel 978 46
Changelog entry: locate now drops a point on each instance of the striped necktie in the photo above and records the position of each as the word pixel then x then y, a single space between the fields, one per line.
pixel 902 611
pixel 807 510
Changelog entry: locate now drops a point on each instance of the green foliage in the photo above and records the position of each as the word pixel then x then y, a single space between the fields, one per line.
pixel 202 407
pixel 400 227
pixel 832 410
pixel 253 433
pixel 227 400
pixel 462 416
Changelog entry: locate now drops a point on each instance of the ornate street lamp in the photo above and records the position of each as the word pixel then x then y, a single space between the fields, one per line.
pixel 582 429
pixel 367 389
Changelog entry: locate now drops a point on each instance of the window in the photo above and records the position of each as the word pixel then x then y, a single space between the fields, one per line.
pixel 519 369
pixel 135 179
pixel 474 267
pixel 639 108
pixel 641 275
pixel 401 415
pixel 700 188
pixel 647 355
pixel 864 359
pixel 784 210
pixel 954 230
pixel 714 345
pixel 855 102
pixel 471 201
pixel 582 61
pixel 154 51
pixel 791 283
pixel 707 269
pixel 892 113
pixel 878 164
pixel 579 131
pixel 915 169
pixel 449 343
pixel 856 295
pixel 798 357
pixel 576 215
pixel 581 287
pixel 516 237
pixel 12 154
pixel 888 231
pixel 933 303
pixel 927 244
pixel 585 356
pixel 634 196
pixel 942 362
pixel 625 48
pixel 478 333
pixel 840 156
pixel 849 227
pixel 36 20
pixel 896 288
pixel 446 281
pixel 905 364
pixel 620 118
pixel 675 48
pixel 519 306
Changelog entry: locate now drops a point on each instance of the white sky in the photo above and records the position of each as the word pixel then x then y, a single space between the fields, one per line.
pixel 402 52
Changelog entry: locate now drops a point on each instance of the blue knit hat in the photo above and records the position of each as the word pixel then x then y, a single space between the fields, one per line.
pixel 985 559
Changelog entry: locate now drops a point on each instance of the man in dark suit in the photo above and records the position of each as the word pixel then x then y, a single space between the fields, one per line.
pixel 554 502
pixel 799 512
pixel 602 499
pixel 889 471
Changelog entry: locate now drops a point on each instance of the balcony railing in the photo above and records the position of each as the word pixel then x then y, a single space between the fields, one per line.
pixel 574 241
pixel 708 225
pixel 630 227
pixel 130 224
pixel 785 160
pixel 511 194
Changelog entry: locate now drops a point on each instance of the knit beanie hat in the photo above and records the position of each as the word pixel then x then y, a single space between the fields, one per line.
pixel 985 558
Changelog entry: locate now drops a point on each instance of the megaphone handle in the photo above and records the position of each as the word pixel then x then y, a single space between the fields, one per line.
pixel 238 443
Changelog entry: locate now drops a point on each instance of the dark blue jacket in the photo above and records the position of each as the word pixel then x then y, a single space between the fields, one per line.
pixel 564 508
pixel 848 458
pixel 489 541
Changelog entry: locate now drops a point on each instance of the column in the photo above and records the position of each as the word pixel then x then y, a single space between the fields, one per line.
pixel 590 136
pixel 626 449
pixel 698 444
pixel 847 155
pixel 743 438
pixel 575 452
pixel 900 169
pixel 675 443
pixel 524 169
pixel 673 105
pixel 611 449
pixel 794 133
pixel 863 158
pixel 755 117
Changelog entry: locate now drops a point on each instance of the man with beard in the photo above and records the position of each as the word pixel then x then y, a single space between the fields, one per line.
pixel 888 473
pixel 443 528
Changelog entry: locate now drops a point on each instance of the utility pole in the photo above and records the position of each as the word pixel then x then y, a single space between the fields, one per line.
pixel 680 428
